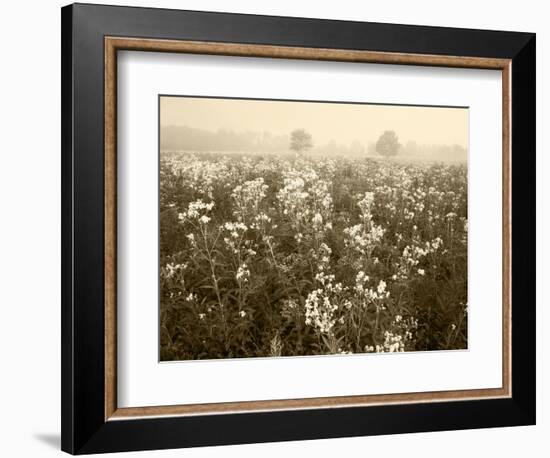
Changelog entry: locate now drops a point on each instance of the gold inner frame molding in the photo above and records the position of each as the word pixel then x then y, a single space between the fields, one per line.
pixel 114 44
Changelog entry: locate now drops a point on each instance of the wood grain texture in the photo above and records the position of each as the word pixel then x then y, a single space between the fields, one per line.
pixel 507 228
pixel 110 177
pixel 289 52
pixel 112 44
pixel 306 403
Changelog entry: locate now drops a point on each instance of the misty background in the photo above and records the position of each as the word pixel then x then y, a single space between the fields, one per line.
pixel 337 129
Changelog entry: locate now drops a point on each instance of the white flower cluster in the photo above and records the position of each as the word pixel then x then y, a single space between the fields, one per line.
pixel 365 295
pixel 191 238
pixel 243 274
pixel 191 297
pixel 365 205
pixel 197 211
pixel 247 198
pixel 392 343
pixel 307 202
pixel 170 270
pixel 363 237
pixel 261 222
pixel 322 304
pixel 292 195
pixel 396 338
pixel 234 228
pixel 201 176
pixel 321 199
pixel 320 310
pixel 234 234
pixel 411 257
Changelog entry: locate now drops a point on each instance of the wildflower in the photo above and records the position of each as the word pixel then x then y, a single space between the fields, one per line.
pixel 171 269
pixel 381 287
pixel 247 198
pixel 320 311
pixel 361 277
pixel 196 211
pixel 317 221
pixel 242 273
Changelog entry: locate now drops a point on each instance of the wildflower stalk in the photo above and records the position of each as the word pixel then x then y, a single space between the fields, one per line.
pixel 208 251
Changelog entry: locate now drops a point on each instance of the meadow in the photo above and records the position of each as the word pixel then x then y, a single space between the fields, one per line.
pixel 273 255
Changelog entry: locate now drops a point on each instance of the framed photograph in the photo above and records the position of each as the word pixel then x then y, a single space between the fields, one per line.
pixel 283 228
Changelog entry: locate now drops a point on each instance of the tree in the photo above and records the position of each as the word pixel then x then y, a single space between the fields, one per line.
pixel 300 140
pixel 388 144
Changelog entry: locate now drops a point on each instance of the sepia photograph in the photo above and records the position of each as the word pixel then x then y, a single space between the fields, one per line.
pixel 298 228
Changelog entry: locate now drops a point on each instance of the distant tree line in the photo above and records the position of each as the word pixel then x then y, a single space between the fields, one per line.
pixel 444 153
pixel 183 138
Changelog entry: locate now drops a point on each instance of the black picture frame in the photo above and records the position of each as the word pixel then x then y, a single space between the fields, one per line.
pixel 84 428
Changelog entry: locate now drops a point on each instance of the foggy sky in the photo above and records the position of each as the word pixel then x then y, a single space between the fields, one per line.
pixel 341 122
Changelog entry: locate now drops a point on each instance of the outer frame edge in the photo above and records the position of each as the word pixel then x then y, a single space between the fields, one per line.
pixel 523 408
pixel 67 387
pixel 348 422
pixel 523 137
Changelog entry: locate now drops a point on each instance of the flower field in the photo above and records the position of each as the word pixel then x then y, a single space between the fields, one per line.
pixel 267 255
